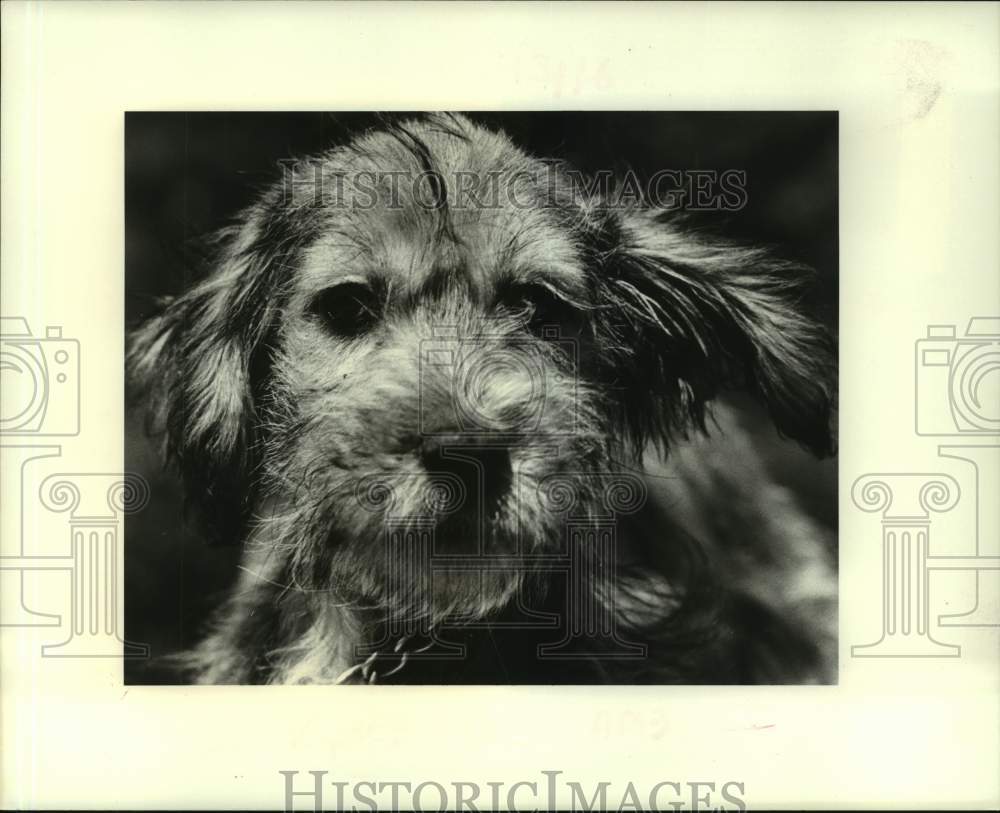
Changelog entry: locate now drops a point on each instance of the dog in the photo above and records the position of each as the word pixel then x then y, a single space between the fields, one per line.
pixel 469 423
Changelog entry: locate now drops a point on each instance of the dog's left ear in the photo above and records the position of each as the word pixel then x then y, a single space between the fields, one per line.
pixel 192 365
pixel 697 315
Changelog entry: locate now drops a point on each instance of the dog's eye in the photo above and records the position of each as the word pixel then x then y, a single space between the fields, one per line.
pixel 537 305
pixel 347 310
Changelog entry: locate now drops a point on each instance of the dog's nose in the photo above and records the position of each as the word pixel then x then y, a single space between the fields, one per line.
pixel 484 468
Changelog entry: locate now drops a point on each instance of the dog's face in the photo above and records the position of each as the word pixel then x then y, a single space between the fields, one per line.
pixel 415 336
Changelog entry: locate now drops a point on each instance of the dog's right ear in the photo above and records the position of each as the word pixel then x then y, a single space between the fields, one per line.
pixel 192 364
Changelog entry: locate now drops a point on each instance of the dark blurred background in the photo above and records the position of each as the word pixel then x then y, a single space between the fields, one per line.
pixel 187 174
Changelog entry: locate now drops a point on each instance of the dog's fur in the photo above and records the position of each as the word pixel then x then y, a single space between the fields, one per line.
pixel 292 396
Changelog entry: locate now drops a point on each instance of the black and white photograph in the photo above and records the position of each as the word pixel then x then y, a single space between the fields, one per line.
pixel 487 398
pixel 499 406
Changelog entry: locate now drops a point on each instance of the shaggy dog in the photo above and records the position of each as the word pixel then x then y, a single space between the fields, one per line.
pixel 429 385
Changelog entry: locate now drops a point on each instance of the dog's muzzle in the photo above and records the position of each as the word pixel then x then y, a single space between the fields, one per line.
pixel 481 464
